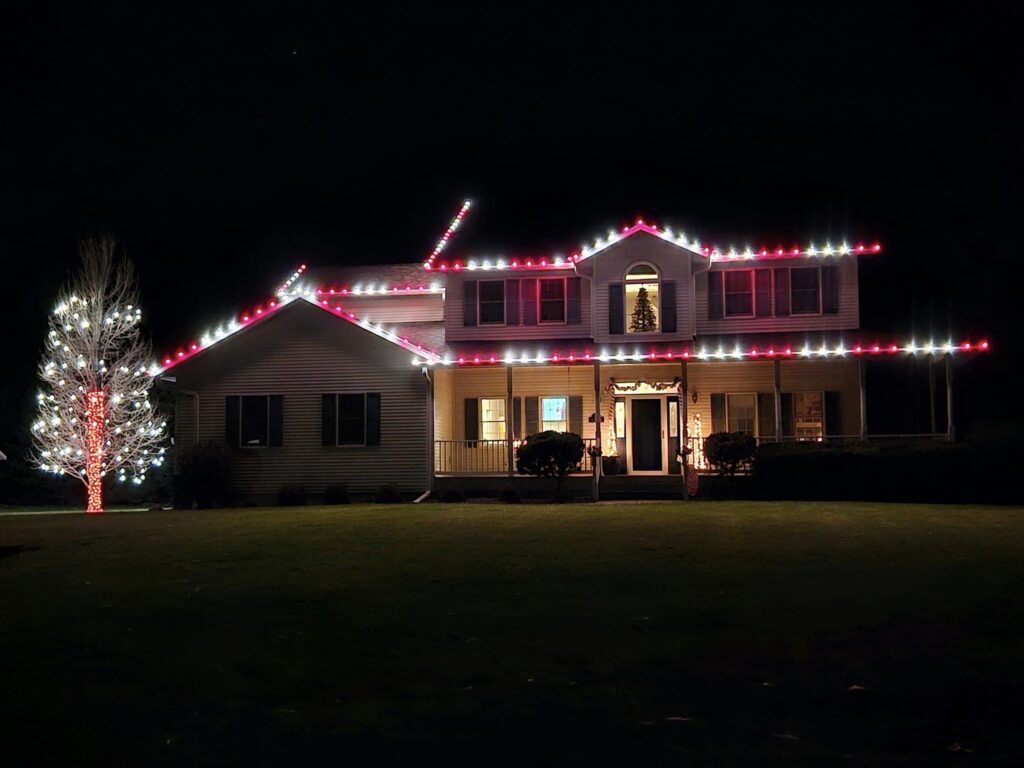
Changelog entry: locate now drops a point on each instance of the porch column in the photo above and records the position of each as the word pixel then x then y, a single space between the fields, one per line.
pixel 684 442
pixel 950 433
pixel 862 383
pixel 777 371
pixel 597 428
pixel 431 469
pixel 931 392
pixel 509 425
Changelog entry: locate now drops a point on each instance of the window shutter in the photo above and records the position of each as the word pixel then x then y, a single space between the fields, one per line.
pixel 576 414
pixel 532 415
pixel 573 290
pixel 616 311
pixel 373 418
pixel 762 293
pixel 472 411
pixel 276 436
pixel 716 295
pixel 766 414
pixel 788 415
pixel 668 306
pixel 511 302
pixel 830 289
pixel 469 302
pixel 329 419
pixel 232 421
pixel 781 292
pixel 833 415
pixel 718 423
pixel 517 417
pixel 529 308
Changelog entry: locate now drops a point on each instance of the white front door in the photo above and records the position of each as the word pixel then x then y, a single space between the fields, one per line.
pixel 646 443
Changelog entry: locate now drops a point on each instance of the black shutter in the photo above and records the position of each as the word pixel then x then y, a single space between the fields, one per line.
pixel 232 420
pixel 716 295
pixel 833 415
pixel 718 423
pixel 762 293
pixel 668 306
pixel 576 414
pixel 788 415
pixel 373 418
pixel 469 302
pixel 472 411
pixel 517 417
pixel 329 419
pixel 766 414
pixel 276 437
pixel 529 301
pixel 511 302
pixel 573 311
pixel 532 415
pixel 616 310
pixel 830 289
pixel 781 292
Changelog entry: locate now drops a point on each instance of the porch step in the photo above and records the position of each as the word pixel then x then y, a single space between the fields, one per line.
pixel 621 487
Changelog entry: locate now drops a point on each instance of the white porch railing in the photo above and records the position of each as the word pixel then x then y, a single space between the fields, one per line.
pixel 486 457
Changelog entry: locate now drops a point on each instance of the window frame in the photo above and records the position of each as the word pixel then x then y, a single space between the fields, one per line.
pixel 480 302
pixel 792 310
pixel 540 412
pixel 626 282
pixel 821 394
pixel 756 431
pixel 241 422
pixel 565 301
pixel 481 421
pixel 337 420
pixel 726 314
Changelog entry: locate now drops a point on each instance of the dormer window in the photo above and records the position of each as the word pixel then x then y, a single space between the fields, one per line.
pixel 642 299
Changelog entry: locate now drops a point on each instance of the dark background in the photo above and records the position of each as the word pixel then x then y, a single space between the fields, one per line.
pixel 225 147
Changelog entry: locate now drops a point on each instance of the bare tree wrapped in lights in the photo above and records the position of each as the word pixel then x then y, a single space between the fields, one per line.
pixel 95 419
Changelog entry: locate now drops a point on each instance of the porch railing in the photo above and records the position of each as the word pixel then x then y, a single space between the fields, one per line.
pixel 487 457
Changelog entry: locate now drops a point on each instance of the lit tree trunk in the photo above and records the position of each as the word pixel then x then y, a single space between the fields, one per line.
pixel 96 415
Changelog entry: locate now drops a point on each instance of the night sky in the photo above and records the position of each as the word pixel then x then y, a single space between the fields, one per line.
pixel 224 148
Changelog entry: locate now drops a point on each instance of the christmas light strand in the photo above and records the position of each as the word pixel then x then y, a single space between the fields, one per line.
pixel 456 222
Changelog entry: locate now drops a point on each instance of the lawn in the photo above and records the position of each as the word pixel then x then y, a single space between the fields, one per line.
pixel 709 633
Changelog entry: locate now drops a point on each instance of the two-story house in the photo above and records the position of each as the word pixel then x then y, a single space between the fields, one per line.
pixel 642 342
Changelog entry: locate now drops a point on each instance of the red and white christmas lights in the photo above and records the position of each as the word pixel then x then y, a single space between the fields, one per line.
pixel 456 222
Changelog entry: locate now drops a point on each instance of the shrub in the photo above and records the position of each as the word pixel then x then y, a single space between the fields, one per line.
pixel 336 494
pixel 453 496
pixel 291 496
pixel 509 495
pixel 728 450
pixel 550 454
pixel 388 494
pixel 204 477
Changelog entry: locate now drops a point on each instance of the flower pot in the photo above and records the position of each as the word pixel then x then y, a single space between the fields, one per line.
pixel 610 465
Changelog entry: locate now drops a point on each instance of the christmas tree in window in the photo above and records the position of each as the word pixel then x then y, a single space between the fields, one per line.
pixel 643 319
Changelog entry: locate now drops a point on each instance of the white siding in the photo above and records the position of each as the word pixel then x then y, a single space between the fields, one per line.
pixel 444 403
pixel 394 309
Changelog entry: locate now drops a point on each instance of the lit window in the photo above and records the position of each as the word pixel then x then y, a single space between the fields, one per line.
pixel 492 418
pixel 739 292
pixel 641 299
pixel 673 418
pixel 492 301
pixel 554 414
pixel 620 418
pixel 805 291
pixel 552 300
pixel 742 413
pixel 808 415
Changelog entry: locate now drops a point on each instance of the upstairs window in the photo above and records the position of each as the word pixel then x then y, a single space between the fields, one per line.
pixel 739 293
pixel 642 299
pixel 492 418
pixel 554 414
pixel 552 300
pixel 805 290
pixel 492 302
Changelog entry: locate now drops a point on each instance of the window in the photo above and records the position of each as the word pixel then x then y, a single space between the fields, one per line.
pixel 255 421
pixel 492 418
pixel 805 290
pixel 641 299
pixel 808 415
pixel 352 419
pixel 739 292
pixel 492 302
pixel 673 418
pixel 552 300
pixel 554 414
pixel 620 418
pixel 742 413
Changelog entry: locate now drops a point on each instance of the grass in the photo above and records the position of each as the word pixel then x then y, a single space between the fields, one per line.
pixel 708 633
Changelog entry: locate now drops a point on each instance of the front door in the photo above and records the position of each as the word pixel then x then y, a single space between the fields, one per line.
pixel 646 435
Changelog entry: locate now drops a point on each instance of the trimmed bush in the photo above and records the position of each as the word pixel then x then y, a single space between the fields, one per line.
pixel 337 494
pixel 453 496
pixel 291 496
pixel 728 451
pixel 550 454
pixel 388 494
pixel 204 477
pixel 509 495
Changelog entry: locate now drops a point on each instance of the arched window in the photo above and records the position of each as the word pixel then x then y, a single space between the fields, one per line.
pixel 642 299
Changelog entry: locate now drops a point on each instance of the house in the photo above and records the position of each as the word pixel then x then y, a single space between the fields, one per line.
pixel 426 375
